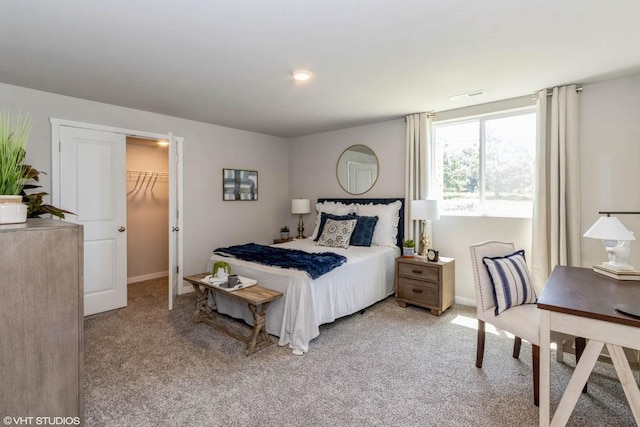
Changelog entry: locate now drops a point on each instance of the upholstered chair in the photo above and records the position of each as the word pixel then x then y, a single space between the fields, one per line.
pixel 523 321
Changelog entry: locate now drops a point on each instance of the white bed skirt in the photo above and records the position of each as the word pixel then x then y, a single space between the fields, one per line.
pixel 366 278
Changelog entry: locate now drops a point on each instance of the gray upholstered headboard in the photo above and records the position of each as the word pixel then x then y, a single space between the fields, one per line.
pixel 385 201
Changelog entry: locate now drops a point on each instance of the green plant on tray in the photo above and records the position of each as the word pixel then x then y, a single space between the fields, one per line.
pixel 218 265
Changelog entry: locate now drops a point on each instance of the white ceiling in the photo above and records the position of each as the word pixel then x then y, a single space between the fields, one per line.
pixel 228 62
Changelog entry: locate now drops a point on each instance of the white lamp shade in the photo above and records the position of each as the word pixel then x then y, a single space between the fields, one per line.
pixel 424 209
pixel 300 206
pixel 609 228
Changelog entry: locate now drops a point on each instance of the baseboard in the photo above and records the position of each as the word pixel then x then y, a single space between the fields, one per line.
pixel 147 277
pixel 465 301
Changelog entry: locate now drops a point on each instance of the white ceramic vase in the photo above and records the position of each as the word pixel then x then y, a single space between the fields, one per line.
pixel 12 210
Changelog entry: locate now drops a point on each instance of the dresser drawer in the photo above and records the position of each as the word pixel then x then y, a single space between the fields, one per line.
pixel 419 292
pixel 420 272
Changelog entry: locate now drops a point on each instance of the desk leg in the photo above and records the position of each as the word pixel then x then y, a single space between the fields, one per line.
pixel 545 368
pixel 576 383
pixel 621 364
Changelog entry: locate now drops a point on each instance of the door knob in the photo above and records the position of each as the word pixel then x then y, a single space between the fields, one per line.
pixel 121 229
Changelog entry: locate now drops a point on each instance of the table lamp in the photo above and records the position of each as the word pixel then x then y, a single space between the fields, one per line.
pixel 300 207
pixel 616 240
pixel 423 211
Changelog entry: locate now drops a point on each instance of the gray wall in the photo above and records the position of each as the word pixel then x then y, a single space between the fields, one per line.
pixel 610 171
pixel 610 159
pixel 208 221
pixel 306 167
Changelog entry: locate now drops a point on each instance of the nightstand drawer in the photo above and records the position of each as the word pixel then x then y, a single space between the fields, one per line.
pixel 420 272
pixel 419 292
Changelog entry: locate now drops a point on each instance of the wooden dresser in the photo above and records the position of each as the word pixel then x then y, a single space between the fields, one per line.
pixel 41 316
pixel 425 284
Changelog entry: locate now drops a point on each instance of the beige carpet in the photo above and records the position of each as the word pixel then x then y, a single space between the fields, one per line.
pixel 391 366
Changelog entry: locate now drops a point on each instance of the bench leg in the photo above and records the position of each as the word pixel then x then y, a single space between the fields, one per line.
pixel 259 329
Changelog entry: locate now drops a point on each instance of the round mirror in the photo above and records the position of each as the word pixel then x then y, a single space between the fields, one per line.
pixel 357 169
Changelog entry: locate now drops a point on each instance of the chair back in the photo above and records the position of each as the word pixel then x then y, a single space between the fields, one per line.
pixel 484 290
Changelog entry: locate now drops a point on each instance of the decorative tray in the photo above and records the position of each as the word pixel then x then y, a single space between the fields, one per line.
pixel 220 283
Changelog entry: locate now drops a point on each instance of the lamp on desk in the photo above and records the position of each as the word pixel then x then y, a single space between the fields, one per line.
pixel 616 240
pixel 300 207
pixel 423 211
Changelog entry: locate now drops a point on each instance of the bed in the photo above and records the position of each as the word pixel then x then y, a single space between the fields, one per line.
pixel 365 278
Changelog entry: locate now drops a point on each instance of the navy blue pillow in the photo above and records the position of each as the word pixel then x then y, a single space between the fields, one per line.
pixel 363 233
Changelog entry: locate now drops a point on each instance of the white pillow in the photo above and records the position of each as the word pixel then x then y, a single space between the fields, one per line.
pixel 335 208
pixel 386 231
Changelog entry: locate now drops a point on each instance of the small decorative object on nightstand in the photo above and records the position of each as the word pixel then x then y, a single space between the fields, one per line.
pixel 425 284
pixel 284 232
pixel 408 248
pixel 432 255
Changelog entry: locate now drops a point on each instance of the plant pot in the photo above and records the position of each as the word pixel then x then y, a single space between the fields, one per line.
pixel 12 210
pixel 408 252
pixel 284 235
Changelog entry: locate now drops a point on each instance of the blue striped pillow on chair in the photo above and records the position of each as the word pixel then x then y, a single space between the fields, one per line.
pixel 511 281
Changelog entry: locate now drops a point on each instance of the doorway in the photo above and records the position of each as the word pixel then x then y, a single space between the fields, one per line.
pixel 147 209
pixel 89 178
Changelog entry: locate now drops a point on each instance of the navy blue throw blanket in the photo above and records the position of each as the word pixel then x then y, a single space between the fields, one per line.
pixel 315 264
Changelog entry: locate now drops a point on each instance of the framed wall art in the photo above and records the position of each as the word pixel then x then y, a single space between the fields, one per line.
pixel 238 184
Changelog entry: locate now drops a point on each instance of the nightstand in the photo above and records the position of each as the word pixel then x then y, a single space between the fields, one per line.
pixel 276 241
pixel 426 284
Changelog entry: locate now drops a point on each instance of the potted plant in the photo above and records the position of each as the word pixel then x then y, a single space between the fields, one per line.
pixel 284 232
pixel 14 133
pixel 408 248
pixel 221 269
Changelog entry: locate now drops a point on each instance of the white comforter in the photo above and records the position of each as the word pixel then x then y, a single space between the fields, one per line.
pixel 366 278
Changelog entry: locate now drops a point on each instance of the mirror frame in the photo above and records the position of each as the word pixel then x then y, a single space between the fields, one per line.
pixel 345 186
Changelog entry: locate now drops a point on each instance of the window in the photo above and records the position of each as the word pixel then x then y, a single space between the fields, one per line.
pixel 485 165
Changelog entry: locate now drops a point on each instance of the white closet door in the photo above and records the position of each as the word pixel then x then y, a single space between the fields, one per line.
pixel 175 219
pixel 93 186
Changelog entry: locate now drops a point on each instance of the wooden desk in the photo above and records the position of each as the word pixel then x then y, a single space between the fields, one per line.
pixel 580 302
pixel 254 296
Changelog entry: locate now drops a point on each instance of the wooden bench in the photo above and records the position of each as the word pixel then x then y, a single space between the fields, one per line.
pixel 256 297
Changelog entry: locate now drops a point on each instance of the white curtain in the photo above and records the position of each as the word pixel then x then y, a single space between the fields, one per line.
pixel 556 212
pixel 418 156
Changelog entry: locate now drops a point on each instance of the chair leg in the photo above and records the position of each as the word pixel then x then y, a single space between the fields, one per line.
pixel 480 348
pixel 580 345
pixel 517 343
pixel 535 361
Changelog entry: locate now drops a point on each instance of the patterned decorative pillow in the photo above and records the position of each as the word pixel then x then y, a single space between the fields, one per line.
pixel 511 281
pixel 337 234
pixel 334 208
pixel 362 233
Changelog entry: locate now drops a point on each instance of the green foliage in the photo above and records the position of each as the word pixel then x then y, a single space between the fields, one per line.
pixel 14 133
pixel 221 265
pixel 408 243
pixel 508 171
pixel 284 229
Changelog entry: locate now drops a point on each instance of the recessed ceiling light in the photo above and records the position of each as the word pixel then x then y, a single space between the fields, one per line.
pixel 467 95
pixel 302 75
pixel 163 143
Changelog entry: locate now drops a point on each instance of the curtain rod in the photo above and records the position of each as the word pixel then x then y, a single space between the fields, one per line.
pixel 609 213
pixel 578 89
